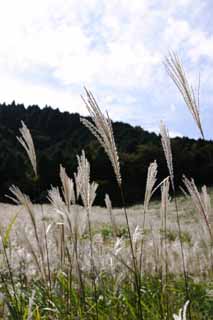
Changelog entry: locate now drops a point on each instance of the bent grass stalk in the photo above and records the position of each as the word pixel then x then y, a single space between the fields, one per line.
pixel 27 143
pixel 165 140
pixel 101 128
pixel 176 72
pixel 87 191
pixel 164 209
pixel 202 204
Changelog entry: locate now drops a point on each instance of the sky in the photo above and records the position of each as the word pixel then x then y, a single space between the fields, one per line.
pixel 51 49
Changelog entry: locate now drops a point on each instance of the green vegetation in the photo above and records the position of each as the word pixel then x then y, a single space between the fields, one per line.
pixel 113 301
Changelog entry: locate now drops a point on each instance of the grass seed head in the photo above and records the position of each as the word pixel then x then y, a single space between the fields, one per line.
pixel 166 144
pixel 176 72
pixel 85 189
pixel 101 128
pixel 27 142
pixel 67 187
pixel 150 182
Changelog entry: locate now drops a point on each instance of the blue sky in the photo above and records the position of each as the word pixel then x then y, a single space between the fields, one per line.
pixel 51 49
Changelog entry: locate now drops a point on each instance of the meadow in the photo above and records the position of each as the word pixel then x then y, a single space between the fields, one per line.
pixel 69 259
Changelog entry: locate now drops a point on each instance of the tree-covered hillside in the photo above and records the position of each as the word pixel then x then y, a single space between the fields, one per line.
pixel 59 137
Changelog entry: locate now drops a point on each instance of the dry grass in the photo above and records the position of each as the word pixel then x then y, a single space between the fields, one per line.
pixel 194 233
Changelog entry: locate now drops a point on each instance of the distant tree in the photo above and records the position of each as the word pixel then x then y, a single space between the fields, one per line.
pixel 59 137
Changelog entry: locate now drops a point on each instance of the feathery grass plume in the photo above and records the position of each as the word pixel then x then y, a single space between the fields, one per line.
pixel 67 187
pixel 86 189
pixel 200 201
pixel 56 200
pixel 27 142
pixel 150 182
pixel 208 207
pixel 22 199
pixel 112 218
pixel 118 246
pixel 165 195
pixel 182 312
pixel 166 144
pixel 101 128
pixel 137 235
pixel 59 206
pixel 176 72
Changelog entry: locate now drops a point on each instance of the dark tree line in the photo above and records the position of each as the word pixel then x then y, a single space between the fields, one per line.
pixel 59 137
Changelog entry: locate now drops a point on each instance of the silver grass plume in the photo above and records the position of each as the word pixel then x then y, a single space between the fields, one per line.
pixel 207 203
pixel 67 187
pixel 166 144
pixel 176 72
pixel 150 182
pixel 200 201
pixel 118 246
pixel 86 189
pixel 137 235
pixel 112 218
pixel 27 142
pixel 22 199
pixel 182 312
pixel 56 200
pixel 164 196
pixel 101 128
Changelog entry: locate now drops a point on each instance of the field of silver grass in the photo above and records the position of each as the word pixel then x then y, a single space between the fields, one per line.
pixel 110 241
pixel 88 245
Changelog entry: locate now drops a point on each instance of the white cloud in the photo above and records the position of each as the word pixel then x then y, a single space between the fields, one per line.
pixel 24 92
pixel 51 48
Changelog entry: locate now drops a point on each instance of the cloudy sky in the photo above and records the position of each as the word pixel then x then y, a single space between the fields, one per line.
pixel 51 49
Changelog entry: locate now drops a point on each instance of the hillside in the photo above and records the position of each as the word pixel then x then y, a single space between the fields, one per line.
pixel 59 136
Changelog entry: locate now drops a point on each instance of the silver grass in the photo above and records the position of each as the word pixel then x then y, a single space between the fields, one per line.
pixel 86 189
pixel 118 246
pixel 56 200
pixel 101 128
pixel 166 144
pixel 108 202
pixel 182 312
pixel 176 72
pixel 207 204
pixel 67 187
pixel 112 217
pixel 200 201
pixel 79 221
pixel 137 235
pixel 22 199
pixel 165 196
pixel 163 212
pixel 150 182
pixel 27 142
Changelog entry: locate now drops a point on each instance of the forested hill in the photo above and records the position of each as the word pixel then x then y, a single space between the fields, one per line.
pixel 59 137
